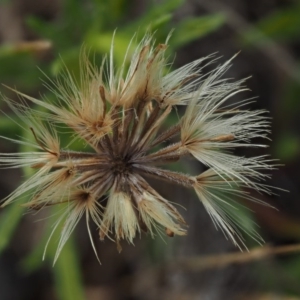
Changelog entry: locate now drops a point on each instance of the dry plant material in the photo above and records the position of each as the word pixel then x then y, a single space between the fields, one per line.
pixel 121 115
pixel 201 263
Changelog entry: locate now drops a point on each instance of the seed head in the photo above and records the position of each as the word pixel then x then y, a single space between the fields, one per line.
pixel 122 117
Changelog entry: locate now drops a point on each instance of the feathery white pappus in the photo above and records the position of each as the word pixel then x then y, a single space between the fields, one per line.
pixel 121 115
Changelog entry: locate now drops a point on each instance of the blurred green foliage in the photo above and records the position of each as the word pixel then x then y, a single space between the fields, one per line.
pixel 281 25
pixel 92 24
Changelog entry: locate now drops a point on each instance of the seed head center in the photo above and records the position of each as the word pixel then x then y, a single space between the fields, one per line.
pixel 121 165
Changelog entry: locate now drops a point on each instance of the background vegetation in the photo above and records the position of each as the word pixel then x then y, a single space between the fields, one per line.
pixel 48 34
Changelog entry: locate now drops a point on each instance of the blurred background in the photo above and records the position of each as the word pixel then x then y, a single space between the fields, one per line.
pixel 45 35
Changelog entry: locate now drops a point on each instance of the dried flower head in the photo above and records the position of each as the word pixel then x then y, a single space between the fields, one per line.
pixel 121 116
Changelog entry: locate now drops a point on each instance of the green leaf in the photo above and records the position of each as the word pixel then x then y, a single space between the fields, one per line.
pixel 67 275
pixel 159 22
pixel 8 222
pixel 13 213
pixel 152 15
pixel 119 8
pixel 68 60
pixel 287 147
pixel 7 126
pixel 194 28
pixel 102 44
pixel 110 11
pixel 18 69
pixel 33 261
pixel 42 28
pixel 283 25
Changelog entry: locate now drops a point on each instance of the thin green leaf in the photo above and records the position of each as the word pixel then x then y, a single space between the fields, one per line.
pixel 101 43
pixel 8 127
pixel 18 69
pixel 282 25
pixel 67 60
pixel 8 222
pixel 191 29
pixel 154 13
pixel 14 212
pixel 67 275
